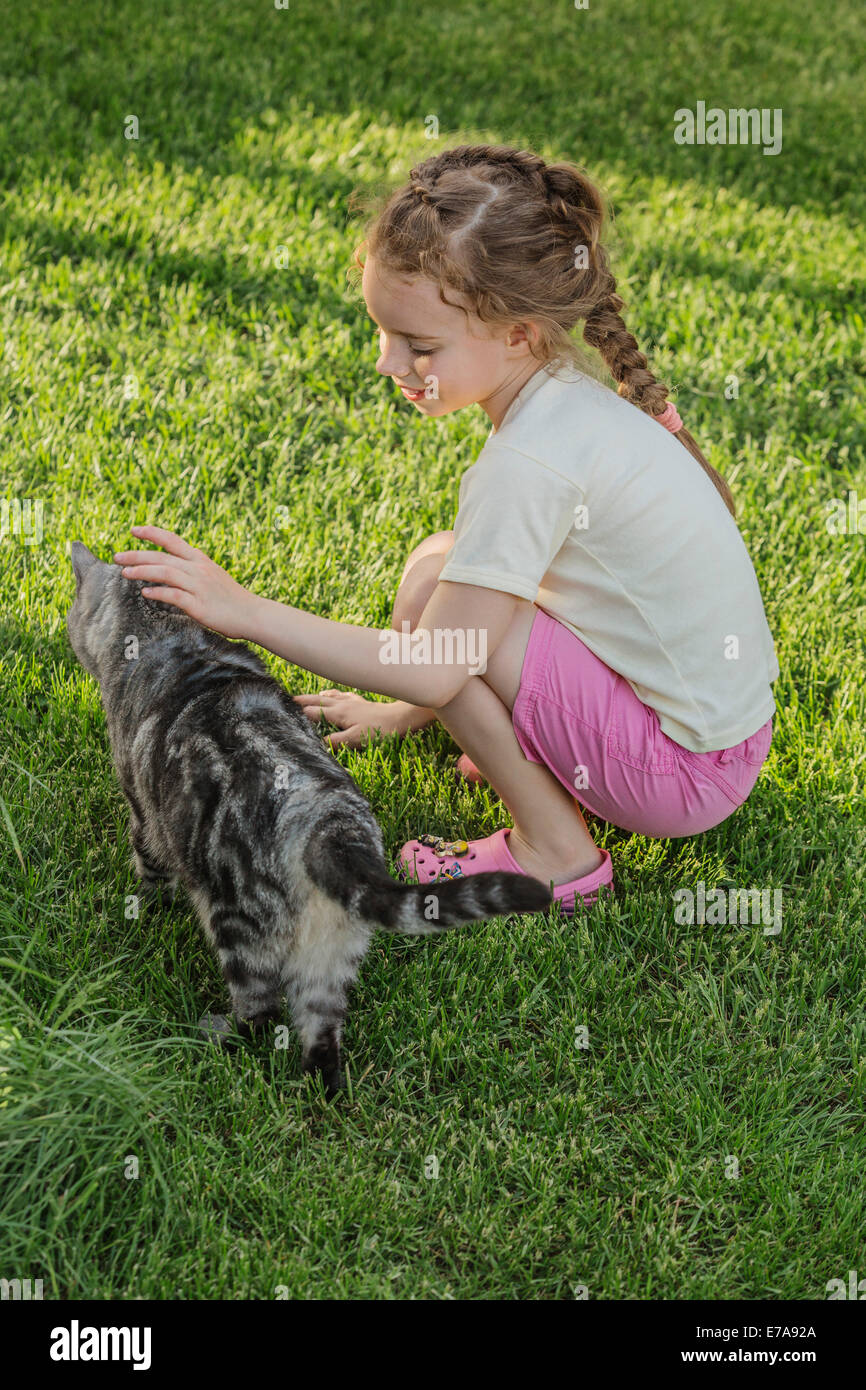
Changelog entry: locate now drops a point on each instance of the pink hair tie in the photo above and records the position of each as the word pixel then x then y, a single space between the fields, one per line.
pixel 670 418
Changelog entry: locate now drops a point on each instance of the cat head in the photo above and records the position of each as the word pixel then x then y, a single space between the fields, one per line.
pixel 108 610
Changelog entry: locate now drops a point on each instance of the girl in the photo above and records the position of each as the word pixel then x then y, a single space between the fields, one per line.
pixel 595 563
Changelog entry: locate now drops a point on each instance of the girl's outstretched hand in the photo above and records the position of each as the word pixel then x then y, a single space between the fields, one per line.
pixel 188 579
pixel 353 714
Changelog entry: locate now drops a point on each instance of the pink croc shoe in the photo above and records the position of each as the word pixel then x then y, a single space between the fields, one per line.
pixel 430 858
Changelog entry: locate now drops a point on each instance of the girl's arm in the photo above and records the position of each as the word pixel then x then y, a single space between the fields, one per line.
pixel 460 628
pixel 458 631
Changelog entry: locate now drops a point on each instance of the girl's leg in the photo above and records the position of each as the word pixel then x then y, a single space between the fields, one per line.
pixel 419 578
pixel 550 839
pixel 351 712
pixel 437 544
pixel 417 582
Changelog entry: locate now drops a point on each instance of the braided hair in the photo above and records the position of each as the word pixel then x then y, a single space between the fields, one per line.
pixel 520 239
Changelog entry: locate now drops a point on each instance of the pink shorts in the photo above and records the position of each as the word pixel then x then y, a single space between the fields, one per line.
pixel 583 721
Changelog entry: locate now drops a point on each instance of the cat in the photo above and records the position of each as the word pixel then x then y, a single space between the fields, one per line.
pixel 232 794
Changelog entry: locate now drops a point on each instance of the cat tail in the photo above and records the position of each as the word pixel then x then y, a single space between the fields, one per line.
pixel 357 878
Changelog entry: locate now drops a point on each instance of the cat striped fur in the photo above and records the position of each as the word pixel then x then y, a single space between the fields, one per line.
pixel 232 794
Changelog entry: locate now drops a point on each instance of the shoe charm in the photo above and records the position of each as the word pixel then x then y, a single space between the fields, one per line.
pixel 444 848
pixel 453 871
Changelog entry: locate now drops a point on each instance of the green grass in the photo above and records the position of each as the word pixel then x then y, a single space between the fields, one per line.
pixel 559 1166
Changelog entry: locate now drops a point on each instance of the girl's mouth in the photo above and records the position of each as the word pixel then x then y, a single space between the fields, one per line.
pixel 413 394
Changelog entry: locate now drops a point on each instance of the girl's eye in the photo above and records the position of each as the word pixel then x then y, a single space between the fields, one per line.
pixel 419 351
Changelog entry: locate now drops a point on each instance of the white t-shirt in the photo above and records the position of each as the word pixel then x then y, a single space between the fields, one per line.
pixel 583 503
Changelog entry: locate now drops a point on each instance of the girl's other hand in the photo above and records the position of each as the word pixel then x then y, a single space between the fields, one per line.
pixel 350 712
pixel 188 579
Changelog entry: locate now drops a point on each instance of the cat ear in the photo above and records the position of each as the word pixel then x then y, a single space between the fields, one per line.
pixel 81 558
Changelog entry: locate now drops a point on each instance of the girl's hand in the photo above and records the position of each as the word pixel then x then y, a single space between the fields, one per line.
pixel 350 712
pixel 188 579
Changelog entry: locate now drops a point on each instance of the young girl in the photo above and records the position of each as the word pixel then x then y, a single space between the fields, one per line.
pixel 594 561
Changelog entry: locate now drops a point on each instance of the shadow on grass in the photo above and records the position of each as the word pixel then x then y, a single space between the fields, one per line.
pixel 248 284
pixel 595 85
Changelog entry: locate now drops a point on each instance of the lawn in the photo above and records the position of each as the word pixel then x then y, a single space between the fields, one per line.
pixel 180 345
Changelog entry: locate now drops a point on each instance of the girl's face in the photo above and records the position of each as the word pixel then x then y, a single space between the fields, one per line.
pixel 442 358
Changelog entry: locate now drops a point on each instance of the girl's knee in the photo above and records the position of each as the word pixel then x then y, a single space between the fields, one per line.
pixel 415 589
pixel 437 544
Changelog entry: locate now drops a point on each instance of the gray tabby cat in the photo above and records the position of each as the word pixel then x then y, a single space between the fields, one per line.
pixel 232 794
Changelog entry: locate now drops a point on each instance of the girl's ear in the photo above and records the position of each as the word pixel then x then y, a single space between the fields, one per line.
pixel 522 335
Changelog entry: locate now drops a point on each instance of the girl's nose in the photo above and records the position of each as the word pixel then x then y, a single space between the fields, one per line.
pixel 390 365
